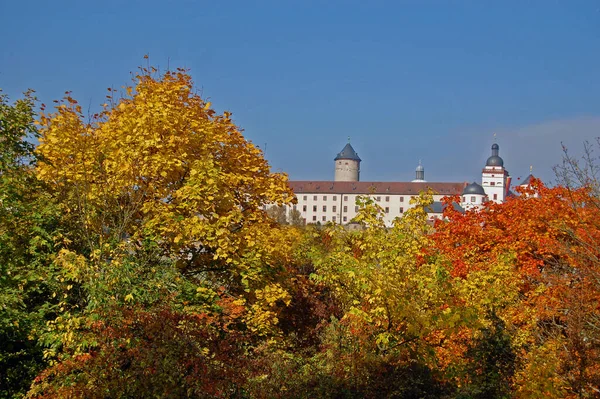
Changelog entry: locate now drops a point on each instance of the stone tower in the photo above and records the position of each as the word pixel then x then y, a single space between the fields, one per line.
pixel 347 164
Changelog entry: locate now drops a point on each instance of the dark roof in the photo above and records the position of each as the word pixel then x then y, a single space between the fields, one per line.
pixel 495 146
pixel 494 160
pixel 420 168
pixel 474 188
pixel 438 207
pixel 347 153
pixel 527 180
pixel 365 187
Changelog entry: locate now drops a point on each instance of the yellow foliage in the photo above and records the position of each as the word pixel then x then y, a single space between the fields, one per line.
pixel 160 163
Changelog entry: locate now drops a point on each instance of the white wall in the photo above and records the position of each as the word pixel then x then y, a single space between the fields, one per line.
pixel 346 208
pixel 347 170
pixel 493 181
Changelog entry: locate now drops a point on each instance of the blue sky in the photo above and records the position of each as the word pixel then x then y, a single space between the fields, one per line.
pixel 406 80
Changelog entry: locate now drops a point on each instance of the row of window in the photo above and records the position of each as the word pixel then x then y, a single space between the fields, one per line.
pixel 345 209
pixel 345 218
pixel 334 198
pixel 333 219
pixel 485 199
pixel 493 183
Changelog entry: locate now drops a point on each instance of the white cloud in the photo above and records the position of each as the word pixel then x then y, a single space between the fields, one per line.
pixel 539 144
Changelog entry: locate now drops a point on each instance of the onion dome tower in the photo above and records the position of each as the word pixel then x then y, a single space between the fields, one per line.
pixel 473 196
pixel 347 164
pixel 419 174
pixel 494 178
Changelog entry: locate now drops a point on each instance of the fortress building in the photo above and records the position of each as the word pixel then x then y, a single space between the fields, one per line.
pixel 335 201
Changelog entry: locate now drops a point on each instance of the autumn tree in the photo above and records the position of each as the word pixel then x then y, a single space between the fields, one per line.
pixel 390 310
pixel 551 311
pixel 278 213
pixel 28 228
pixel 162 201
pixel 295 218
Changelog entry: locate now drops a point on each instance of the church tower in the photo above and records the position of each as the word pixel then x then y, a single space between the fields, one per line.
pixel 347 164
pixel 494 178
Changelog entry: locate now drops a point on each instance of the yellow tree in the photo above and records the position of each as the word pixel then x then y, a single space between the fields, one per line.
pixel 163 203
pixel 159 162
pixel 393 299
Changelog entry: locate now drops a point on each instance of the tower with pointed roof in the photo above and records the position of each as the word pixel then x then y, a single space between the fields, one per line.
pixel 347 164
pixel 526 183
pixel 494 178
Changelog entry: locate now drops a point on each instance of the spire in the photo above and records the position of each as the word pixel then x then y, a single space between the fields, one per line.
pixel 347 153
pixel 495 149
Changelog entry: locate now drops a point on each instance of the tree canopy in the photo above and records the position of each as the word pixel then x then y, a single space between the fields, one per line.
pixel 146 251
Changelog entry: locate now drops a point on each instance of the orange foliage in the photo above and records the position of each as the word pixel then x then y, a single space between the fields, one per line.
pixel 551 236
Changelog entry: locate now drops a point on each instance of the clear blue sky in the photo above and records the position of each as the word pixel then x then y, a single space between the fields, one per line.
pixel 407 80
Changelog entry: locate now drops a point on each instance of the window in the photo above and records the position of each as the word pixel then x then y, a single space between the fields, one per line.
pixel 492 183
pixel 305 197
pixel 473 199
pixel 324 208
pixel 378 199
pixel 324 218
pixel 345 198
pixel 334 208
pixel 324 198
pixel 464 199
pixel 303 208
pixel 314 218
pixel 345 219
pixel 401 199
pixel 345 209
pixel 346 163
pixel 387 199
pixel 387 209
pixel 356 209
pixel 495 196
pixel 314 208
pixel 335 197
pixel 401 209
pixel 333 219
pixel 314 198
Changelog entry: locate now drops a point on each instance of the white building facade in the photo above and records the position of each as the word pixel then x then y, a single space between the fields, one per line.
pixel 335 201
pixel 327 201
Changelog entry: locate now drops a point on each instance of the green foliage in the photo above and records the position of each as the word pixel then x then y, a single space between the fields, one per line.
pixel 28 233
pixel 137 260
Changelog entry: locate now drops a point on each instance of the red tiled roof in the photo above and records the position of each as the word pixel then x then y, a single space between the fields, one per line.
pixel 366 187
